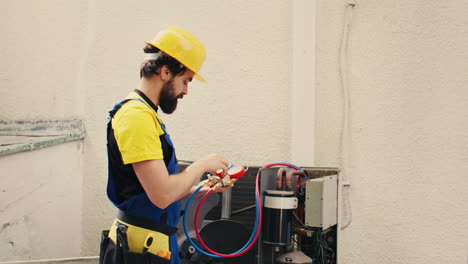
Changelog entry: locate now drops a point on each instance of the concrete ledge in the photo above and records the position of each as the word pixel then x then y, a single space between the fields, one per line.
pixel 22 136
pixel 81 260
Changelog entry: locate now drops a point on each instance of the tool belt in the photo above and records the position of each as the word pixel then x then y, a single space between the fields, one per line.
pixel 133 239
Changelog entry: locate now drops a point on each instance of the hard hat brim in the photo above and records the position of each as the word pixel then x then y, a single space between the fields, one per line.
pixel 199 78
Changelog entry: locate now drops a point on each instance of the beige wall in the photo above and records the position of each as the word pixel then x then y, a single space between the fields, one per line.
pixel 404 149
pixel 40 201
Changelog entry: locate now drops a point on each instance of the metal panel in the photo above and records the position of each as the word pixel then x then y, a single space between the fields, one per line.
pixel 313 203
pixel 321 202
pixel 330 201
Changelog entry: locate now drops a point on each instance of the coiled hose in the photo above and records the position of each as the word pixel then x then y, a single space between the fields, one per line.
pixel 258 218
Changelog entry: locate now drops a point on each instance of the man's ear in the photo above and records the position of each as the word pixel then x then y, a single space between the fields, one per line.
pixel 165 73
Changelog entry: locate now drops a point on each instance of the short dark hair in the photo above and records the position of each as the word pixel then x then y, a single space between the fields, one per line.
pixel 150 66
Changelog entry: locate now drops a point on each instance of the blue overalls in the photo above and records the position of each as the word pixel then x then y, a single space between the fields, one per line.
pixel 140 205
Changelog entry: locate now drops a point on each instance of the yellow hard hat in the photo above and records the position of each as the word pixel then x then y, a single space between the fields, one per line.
pixel 182 46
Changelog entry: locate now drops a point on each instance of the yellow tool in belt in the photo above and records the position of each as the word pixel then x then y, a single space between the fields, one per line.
pixel 143 240
pixel 150 238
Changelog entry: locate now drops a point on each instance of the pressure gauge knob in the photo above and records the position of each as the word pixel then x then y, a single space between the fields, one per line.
pixel 219 173
pixel 236 172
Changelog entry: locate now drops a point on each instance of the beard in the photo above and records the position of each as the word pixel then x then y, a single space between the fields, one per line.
pixel 167 98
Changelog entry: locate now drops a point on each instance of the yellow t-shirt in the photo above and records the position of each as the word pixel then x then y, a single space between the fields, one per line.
pixel 137 128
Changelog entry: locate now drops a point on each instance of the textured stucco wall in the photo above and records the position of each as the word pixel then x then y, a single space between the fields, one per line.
pixel 405 149
pixel 41 60
pixel 40 203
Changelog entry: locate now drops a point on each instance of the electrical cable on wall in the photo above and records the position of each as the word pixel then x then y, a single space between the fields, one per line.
pixel 346 127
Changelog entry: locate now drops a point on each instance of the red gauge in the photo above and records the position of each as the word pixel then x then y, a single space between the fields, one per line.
pixel 236 172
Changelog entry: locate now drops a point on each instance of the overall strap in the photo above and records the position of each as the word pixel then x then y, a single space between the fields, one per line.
pixel 119 105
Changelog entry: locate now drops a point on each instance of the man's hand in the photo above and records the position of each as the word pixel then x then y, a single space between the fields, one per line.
pixel 205 189
pixel 225 188
pixel 210 164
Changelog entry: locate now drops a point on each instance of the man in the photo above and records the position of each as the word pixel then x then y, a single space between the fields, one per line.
pixel 144 181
